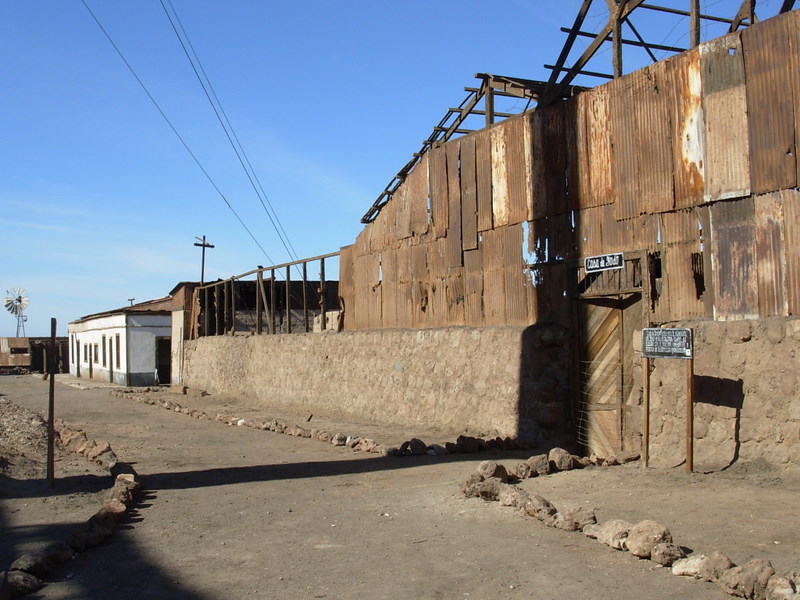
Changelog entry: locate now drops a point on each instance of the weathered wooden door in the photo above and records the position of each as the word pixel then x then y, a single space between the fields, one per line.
pixel 602 379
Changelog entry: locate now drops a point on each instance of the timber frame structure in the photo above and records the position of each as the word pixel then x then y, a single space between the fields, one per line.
pixel 480 100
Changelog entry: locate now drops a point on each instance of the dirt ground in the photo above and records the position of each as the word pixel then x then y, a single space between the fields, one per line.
pixel 232 512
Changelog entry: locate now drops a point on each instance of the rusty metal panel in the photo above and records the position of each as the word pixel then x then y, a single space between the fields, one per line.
pixel 688 128
pixel 571 116
pixel 500 202
pixel 643 232
pixel 589 231
pixel 640 122
pixel 727 164
pixel 347 288
pixel 517 168
pixel 494 305
pixel 469 195
pixel 390 297
pixel 437 259
pixel 402 203
pixel 454 191
pixel 483 176
pixel 791 222
pixel 625 164
pixel 417 196
pixel 456 308
pixel 437 167
pixel 549 170
pixel 596 185
pixel 769 67
pixel 733 260
pixel 616 235
pixel 770 256
pixel 682 288
pixel 417 264
pixel 516 298
pixel 794 81
pixel 473 287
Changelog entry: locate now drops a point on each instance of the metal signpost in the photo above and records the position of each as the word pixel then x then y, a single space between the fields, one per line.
pixel 675 342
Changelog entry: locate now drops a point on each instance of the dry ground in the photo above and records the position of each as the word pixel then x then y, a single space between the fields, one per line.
pixel 232 512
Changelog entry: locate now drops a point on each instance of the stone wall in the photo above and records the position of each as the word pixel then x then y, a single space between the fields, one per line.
pixel 506 381
pixel 747 396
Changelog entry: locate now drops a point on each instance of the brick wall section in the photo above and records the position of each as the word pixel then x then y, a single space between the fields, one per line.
pixel 747 395
pixel 453 379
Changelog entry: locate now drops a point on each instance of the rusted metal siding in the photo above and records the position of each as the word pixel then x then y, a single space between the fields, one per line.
pixel 688 129
pixel 402 203
pixel 483 176
pixel 791 221
pixel 727 164
pixel 622 168
pixel 494 302
pixel 517 168
pixel 769 69
pixel 500 202
pixel 454 191
pixel 640 128
pixel 417 184
pixel 549 170
pixel 438 183
pixel 473 287
pixel 593 141
pixel 733 260
pixel 515 292
pixel 469 195
pixel 681 292
pixel 770 255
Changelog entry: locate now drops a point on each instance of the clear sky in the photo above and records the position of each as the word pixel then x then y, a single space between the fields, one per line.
pixel 100 200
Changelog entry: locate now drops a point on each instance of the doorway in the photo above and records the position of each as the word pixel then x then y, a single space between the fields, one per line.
pixel 606 358
pixel 163 360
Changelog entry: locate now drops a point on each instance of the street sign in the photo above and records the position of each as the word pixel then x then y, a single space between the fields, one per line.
pixel 658 342
pixel 603 262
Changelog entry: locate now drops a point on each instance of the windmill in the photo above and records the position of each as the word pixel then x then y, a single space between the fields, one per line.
pixel 16 302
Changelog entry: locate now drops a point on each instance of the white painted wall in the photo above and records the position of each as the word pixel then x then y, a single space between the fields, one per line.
pixel 137 345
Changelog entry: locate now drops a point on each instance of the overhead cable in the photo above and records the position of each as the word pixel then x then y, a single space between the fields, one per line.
pixel 172 127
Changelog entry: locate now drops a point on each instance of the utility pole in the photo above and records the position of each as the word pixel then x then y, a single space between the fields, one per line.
pixel 203 244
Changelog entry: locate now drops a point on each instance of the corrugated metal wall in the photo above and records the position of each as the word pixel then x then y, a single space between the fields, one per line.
pixel 692 160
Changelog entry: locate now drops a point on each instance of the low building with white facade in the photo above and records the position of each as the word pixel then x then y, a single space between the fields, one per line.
pixel 127 346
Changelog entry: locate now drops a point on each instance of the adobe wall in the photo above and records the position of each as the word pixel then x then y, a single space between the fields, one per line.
pixel 747 396
pixel 507 381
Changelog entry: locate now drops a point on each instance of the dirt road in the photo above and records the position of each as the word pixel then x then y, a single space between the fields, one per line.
pixel 233 512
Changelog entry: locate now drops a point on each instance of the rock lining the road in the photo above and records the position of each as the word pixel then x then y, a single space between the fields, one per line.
pixel 647 540
pixel 26 573
pixel 464 444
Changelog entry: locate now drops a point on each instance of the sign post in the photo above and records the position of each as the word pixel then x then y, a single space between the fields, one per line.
pixel 675 342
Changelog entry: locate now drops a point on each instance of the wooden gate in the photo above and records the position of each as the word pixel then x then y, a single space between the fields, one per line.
pixel 601 360
pixel 609 309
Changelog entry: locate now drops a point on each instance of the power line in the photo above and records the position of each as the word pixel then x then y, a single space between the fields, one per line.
pixel 172 127
pixel 230 133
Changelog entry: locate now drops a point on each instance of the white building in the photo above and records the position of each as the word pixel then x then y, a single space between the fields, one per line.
pixel 127 346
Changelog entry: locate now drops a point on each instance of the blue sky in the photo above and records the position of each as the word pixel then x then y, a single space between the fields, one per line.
pixel 101 202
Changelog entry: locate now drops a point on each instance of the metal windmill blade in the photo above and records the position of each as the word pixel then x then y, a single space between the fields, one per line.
pixel 16 301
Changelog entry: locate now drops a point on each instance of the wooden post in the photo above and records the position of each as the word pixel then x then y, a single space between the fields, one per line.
pixel 51 369
pixel 690 414
pixel 694 23
pixel 288 299
pixel 646 415
pixel 272 302
pixel 323 305
pixel 259 319
pixel 305 295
